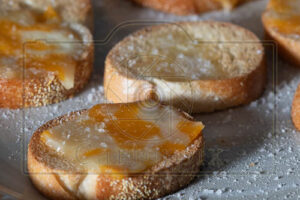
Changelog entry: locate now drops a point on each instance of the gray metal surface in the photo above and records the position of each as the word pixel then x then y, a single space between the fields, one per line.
pixel 251 152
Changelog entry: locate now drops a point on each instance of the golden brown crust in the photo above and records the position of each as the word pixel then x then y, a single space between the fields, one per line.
pixel 234 92
pixel 288 47
pixel 179 7
pixel 296 109
pixel 19 93
pixel 113 81
pixel 48 90
pixel 46 171
pixel 46 178
pixel 208 95
pixel 186 7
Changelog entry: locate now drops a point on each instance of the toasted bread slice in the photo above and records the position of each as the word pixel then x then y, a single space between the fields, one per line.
pixel 281 21
pixel 44 59
pixel 140 150
pixel 189 7
pixel 296 109
pixel 195 66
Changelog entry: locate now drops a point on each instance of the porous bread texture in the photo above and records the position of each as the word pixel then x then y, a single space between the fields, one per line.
pixel 287 44
pixel 296 109
pixel 222 65
pixel 189 7
pixel 34 92
pixel 57 178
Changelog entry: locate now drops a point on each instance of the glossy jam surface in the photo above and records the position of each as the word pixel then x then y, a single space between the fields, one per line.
pixel 39 43
pixel 285 17
pixel 122 138
pixel 229 4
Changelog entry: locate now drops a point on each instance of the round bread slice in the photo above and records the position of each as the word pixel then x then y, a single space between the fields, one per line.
pixel 195 66
pixel 296 109
pixel 281 22
pixel 189 7
pixel 44 59
pixel 58 170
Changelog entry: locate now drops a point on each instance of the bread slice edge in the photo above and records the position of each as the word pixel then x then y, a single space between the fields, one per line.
pixel 205 95
pixel 165 177
pixel 23 93
pixel 288 48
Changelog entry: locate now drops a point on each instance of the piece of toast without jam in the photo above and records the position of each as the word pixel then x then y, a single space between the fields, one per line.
pixel 46 51
pixel 140 150
pixel 190 7
pixel 296 109
pixel 281 21
pixel 195 66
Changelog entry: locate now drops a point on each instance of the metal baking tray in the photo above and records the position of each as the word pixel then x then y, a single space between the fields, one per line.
pixel 251 152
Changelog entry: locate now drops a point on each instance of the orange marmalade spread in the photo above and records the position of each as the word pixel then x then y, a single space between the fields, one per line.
pixel 229 4
pixel 285 16
pixel 39 43
pixel 122 138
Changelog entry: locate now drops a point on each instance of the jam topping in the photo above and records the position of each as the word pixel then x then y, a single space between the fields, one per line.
pixel 228 4
pixel 122 138
pixel 49 15
pixel 286 25
pixel 286 16
pixel 284 6
pixel 22 44
pixel 125 126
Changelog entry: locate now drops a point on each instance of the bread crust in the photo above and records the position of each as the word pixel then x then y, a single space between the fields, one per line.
pixel 288 48
pixel 165 177
pixel 207 95
pixel 23 93
pixel 186 7
pixel 296 109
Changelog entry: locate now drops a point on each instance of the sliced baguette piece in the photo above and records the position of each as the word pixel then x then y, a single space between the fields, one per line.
pixel 189 7
pixel 296 109
pixel 281 21
pixel 140 150
pixel 52 56
pixel 195 66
